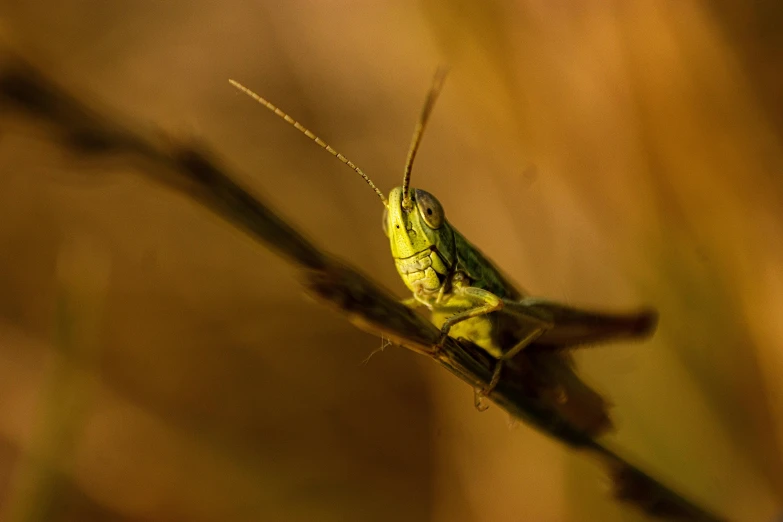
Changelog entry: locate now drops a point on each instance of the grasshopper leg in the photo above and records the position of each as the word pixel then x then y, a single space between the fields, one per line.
pixel 480 394
pixel 539 327
pixel 489 303
pixel 414 302
pixel 411 303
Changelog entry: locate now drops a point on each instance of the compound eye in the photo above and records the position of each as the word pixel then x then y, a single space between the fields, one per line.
pixel 429 208
pixel 385 222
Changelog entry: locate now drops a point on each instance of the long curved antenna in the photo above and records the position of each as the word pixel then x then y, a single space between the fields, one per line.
pixel 429 103
pixel 301 128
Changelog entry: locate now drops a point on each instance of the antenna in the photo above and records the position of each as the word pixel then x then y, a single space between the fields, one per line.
pixel 310 135
pixel 429 103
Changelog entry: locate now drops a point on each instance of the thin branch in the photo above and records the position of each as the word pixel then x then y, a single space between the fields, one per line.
pixel 189 170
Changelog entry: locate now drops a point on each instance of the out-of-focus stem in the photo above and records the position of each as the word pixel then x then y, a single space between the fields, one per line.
pixel 82 279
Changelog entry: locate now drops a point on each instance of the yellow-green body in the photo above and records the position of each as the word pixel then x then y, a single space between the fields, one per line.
pixel 428 259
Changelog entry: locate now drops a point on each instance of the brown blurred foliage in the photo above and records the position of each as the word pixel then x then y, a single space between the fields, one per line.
pixel 605 154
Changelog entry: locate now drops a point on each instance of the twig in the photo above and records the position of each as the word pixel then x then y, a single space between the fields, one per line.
pixel 189 170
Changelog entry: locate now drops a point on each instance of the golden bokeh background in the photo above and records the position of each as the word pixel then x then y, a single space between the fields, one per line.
pixel 605 154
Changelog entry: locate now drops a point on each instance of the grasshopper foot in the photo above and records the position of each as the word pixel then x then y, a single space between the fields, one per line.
pixel 480 394
pixel 444 333
pixel 411 303
pixel 479 400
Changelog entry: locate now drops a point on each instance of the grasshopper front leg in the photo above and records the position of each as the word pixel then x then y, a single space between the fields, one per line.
pixel 487 302
pixel 412 302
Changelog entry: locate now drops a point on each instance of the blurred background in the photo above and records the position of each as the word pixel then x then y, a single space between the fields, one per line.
pixel 157 365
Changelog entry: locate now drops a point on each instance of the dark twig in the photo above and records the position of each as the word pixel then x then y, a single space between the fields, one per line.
pixel 26 92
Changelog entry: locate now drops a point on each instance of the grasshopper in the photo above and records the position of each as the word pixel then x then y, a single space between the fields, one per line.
pixel 469 297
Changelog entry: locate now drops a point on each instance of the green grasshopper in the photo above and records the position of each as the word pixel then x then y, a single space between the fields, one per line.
pixel 470 298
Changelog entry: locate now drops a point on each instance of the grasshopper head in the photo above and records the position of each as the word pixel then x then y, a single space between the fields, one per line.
pixel 420 238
